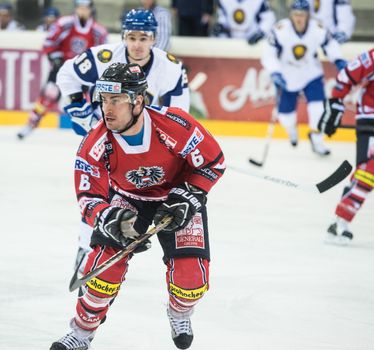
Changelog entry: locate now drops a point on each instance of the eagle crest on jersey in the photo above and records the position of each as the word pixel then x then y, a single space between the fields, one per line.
pixel 239 16
pixel 104 55
pixel 146 176
pixel 299 51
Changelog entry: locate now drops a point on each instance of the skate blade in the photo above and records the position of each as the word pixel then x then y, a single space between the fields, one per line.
pixel 337 240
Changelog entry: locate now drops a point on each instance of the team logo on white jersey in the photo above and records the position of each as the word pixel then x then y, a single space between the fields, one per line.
pixel 146 176
pixel 104 55
pixel 317 5
pixel 299 51
pixel 239 16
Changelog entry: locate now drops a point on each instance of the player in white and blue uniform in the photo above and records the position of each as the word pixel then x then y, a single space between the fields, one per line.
pixel 291 57
pixel 336 15
pixel 166 76
pixel 244 19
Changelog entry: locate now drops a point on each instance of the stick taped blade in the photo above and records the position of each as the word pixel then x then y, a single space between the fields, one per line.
pixel 336 177
pixel 255 162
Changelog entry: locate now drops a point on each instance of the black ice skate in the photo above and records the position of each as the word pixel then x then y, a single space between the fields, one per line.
pixel 71 342
pixel 334 237
pixel 78 339
pixel 181 330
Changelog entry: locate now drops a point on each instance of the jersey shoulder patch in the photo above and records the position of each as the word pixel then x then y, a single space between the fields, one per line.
pixel 172 58
pixel 104 55
pixel 365 59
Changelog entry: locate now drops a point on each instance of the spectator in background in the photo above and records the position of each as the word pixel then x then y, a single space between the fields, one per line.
pixel 163 19
pixel 68 36
pixel 244 19
pixel 337 16
pixel 6 18
pixel 50 15
pixel 193 16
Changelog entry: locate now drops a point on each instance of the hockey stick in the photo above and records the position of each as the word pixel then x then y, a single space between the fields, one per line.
pixel 269 136
pixel 269 133
pixel 119 255
pixel 337 176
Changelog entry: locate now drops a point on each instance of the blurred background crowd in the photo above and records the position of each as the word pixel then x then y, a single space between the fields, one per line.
pixel 186 17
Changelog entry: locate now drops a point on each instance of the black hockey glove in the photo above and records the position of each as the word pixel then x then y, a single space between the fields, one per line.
pixel 182 204
pixel 331 116
pixel 117 224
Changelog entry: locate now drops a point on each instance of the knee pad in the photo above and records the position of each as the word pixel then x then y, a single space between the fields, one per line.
pixel 187 280
pixel 315 110
pixel 287 120
pixel 364 174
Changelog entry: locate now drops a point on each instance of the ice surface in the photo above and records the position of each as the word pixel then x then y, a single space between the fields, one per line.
pixel 274 284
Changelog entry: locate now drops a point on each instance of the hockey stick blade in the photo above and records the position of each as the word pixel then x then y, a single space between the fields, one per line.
pixel 337 176
pixel 255 162
pixel 74 284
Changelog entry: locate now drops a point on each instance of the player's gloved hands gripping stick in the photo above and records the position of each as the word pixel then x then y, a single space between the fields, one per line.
pixel 182 204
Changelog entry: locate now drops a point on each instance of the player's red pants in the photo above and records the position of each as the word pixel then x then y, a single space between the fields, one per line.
pixel 187 280
pixel 362 182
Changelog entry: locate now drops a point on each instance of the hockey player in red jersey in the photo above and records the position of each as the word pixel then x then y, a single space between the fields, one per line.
pixel 136 166
pixel 67 37
pixel 358 72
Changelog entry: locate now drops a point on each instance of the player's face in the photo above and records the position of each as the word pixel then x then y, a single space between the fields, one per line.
pixel 118 111
pixel 147 4
pixel 299 20
pixel 83 12
pixel 139 44
pixel 5 18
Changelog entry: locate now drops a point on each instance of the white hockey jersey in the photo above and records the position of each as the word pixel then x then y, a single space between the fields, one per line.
pixel 295 56
pixel 335 15
pixel 166 77
pixel 242 18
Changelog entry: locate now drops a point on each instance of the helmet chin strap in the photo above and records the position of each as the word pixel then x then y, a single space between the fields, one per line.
pixel 133 121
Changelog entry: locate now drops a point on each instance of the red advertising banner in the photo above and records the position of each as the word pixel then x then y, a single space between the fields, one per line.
pixel 22 73
pixel 240 89
pixel 224 88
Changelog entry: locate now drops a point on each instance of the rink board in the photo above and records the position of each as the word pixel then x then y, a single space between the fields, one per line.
pixel 216 127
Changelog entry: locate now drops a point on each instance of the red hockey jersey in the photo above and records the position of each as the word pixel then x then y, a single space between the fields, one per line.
pixel 358 71
pixel 175 149
pixel 67 38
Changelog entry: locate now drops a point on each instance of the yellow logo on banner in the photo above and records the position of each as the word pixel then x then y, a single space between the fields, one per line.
pixel 239 16
pixel 103 287
pixel 192 294
pixel 299 51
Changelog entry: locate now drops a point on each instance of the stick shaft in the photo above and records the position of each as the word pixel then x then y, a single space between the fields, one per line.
pixel 119 255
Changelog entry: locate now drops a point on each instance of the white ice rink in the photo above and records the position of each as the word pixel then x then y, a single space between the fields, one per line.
pixel 274 284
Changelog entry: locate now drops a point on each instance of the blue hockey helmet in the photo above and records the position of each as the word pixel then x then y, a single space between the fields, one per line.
pixel 83 2
pixel 300 5
pixel 6 7
pixel 139 20
pixel 51 12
